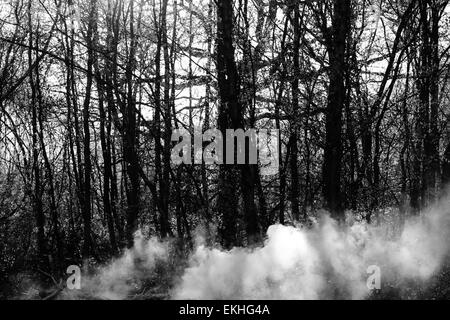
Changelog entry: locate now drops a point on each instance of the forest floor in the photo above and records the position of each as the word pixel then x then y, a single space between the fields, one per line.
pixel 160 286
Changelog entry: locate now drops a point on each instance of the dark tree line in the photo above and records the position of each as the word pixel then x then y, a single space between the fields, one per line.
pixel 91 91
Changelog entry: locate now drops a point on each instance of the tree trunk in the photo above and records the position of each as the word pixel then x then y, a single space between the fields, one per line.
pixel 87 215
pixel 294 123
pixel 229 116
pixel 130 155
pixel 336 43
pixel 37 190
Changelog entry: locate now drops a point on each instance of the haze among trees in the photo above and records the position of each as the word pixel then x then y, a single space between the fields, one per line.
pixel 91 91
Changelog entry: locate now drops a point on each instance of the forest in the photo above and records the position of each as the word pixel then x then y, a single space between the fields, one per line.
pixel 91 92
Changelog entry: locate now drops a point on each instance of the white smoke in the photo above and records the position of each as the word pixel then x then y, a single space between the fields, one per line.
pixel 125 275
pixel 324 262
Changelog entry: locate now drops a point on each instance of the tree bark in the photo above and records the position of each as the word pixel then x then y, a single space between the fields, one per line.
pixel 336 42
pixel 229 116
pixel 130 154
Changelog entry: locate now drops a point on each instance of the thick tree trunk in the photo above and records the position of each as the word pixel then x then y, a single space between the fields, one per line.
pixel 229 116
pixel 337 43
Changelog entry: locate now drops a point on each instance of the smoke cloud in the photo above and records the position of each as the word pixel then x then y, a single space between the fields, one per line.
pixel 126 275
pixel 326 261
